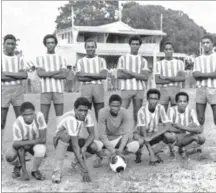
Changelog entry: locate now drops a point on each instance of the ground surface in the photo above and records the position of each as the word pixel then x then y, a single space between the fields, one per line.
pixel 199 174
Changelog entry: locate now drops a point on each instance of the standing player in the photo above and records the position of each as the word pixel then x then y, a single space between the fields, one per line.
pixel 170 74
pixel 29 133
pixel 51 68
pixel 13 72
pixel 205 74
pixel 132 72
pixel 67 138
pixel 185 125
pixel 91 70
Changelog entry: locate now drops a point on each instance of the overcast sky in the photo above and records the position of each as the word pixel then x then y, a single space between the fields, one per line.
pixel 31 20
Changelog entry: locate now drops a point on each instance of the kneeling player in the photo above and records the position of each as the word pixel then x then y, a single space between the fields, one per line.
pixel 186 127
pixel 67 138
pixel 115 130
pixel 152 128
pixel 29 133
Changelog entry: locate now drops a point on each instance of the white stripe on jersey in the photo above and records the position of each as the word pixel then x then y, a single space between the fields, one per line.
pixel 170 69
pixel 51 62
pixel 73 126
pixel 206 64
pixel 12 64
pixel 189 116
pixel 133 63
pixel 91 65
pixel 151 120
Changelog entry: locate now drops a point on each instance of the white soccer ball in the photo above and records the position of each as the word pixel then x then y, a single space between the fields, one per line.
pixel 117 164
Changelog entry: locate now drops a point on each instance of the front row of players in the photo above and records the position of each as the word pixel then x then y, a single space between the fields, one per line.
pixel 155 129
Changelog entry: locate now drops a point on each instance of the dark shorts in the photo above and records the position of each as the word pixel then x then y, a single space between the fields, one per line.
pixel 48 97
pixel 206 95
pixel 64 134
pixel 132 94
pixel 168 94
pixel 12 94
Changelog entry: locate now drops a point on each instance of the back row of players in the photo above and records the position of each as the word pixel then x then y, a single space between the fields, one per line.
pixel 152 125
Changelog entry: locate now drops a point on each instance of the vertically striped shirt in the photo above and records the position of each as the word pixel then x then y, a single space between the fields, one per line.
pixel 170 68
pixel 73 126
pixel 22 131
pixel 51 62
pixel 184 119
pixel 151 120
pixel 206 64
pixel 13 64
pixel 91 65
pixel 133 63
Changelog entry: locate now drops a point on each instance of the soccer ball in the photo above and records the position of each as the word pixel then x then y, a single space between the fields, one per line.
pixel 117 164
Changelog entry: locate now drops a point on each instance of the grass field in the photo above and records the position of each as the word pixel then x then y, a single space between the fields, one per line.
pixel 198 174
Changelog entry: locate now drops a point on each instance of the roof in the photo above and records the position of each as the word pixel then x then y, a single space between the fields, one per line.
pixel 118 27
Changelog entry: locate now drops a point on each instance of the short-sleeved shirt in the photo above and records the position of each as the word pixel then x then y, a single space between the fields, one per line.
pixel 51 62
pixel 184 119
pixel 23 131
pixel 170 68
pixel 72 125
pixel 13 64
pixel 91 65
pixel 206 64
pixel 133 63
pixel 150 120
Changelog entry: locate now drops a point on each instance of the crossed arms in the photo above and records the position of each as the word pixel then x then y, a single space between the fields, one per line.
pixel 12 76
pixel 126 74
pixel 58 74
pixel 85 77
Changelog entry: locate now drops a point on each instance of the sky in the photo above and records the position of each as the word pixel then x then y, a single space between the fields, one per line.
pixel 31 20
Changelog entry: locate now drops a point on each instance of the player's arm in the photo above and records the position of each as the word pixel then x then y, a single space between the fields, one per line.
pixel 191 128
pixel 158 79
pixel 143 76
pixel 100 76
pixel 22 74
pixel 61 75
pixel 179 78
pixel 201 75
pixel 43 74
pixel 120 67
pixel 6 78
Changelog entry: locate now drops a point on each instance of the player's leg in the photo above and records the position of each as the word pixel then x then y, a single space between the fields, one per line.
pixel 61 142
pixel 201 101
pixel 164 99
pixel 137 103
pixel 87 92
pixel 126 98
pixel 172 93
pixel 214 113
pixel 58 101
pixel 98 95
pixel 45 103
pixel 211 99
pixel 4 112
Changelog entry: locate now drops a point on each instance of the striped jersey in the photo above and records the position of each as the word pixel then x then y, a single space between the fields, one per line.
pixel 151 120
pixel 13 64
pixel 206 64
pixel 73 126
pixel 91 65
pixel 184 119
pixel 133 63
pixel 170 68
pixel 51 62
pixel 23 132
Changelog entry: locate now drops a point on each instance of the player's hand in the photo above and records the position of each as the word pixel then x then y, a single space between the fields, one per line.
pixel 162 77
pixel 176 125
pixel 192 125
pixel 83 150
pixel 147 139
pixel 86 177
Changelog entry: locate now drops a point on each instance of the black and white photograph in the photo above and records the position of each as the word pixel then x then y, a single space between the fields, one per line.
pixel 108 96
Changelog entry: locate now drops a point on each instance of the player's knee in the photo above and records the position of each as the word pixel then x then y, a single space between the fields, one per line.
pixel 138 138
pixel 94 147
pixel 11 155
pixel 39 150
pixel 133 146
pixel 98 145
pixel 201 120
pixel 169 138
pixel 64 137
pixel 201 139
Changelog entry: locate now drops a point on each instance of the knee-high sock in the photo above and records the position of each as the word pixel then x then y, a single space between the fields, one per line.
pixel 57 119
pixel 16 162
pixel 37 162
pixel 61 150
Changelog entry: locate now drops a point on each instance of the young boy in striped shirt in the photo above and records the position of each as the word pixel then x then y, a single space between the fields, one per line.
pixel 91 70
pixel 152 127
pixel 51 68
pixel 185 126
pixel 29 135
pixel 14 70
pixel 68 138
pixel 132 72
pixel 205 74
pixel 170 75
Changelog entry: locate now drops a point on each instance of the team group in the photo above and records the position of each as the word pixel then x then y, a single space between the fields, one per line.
pixel 155 125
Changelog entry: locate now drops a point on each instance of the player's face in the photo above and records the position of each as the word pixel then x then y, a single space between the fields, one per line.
pixel 182 103
pixel 50 44
pixel 135 45
pixel 168 50
pixel 114 107
pixel 9 46
pixel 81 112
pixel 90 48
pixel 28 116
pixel 153 100
pixel 207 45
